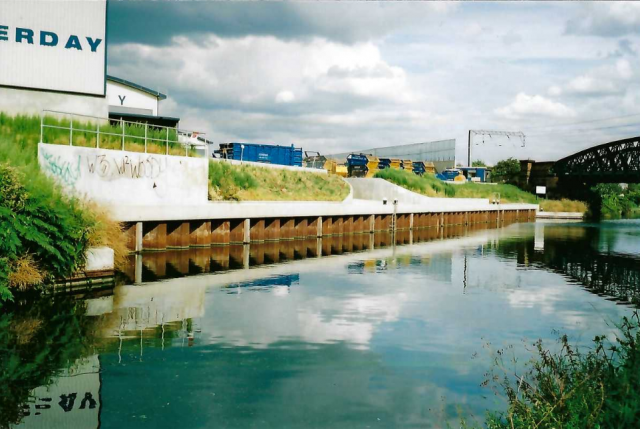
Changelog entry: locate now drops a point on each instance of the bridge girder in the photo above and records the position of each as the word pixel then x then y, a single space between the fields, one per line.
pixel 613 162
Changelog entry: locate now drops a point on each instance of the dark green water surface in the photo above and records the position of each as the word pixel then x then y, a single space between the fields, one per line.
pixel 274 336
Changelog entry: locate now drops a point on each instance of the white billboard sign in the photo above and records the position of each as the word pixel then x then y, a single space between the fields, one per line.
pixel 541 190
pixel 56 45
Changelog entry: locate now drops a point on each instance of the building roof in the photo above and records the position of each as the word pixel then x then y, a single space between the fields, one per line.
pixel 164 121
pixel 158 95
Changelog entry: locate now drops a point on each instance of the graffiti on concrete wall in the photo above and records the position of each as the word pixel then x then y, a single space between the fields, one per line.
pixel 66 171
pixel 105 166
pixel 126 177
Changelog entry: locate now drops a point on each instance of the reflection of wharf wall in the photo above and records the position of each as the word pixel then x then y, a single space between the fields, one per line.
pixel 72 400
pixel 137 313
pixel 153 266
pixel 140 308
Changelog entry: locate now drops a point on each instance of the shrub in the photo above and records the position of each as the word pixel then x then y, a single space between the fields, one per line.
pixel 13 194
pixel 599 388
pixel 506 170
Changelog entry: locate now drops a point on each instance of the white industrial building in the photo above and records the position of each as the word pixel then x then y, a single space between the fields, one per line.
pixel 136 103
pixel 53 56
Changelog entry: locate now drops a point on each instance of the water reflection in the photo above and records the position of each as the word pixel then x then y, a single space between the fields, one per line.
pixel 154 266
pixel 587 255
pixel 342 332
pixel 45 352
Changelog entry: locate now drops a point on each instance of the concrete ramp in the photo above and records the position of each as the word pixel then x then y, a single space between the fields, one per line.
pixel 379 189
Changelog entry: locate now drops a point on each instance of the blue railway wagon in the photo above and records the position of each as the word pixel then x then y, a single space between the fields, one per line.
pixel 256 152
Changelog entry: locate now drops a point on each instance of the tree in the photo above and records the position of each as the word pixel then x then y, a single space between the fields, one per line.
pixel 506 170
pixel 478 163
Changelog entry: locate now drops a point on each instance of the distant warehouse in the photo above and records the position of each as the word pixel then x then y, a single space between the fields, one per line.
pixel 136 103
pixel 442 153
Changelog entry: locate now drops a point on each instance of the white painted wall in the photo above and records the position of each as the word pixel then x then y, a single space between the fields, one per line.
pixel 119 95
pixel 116 177
pixel 32 102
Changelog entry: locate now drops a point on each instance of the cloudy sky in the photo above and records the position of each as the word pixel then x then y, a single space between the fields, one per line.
pixel 343 76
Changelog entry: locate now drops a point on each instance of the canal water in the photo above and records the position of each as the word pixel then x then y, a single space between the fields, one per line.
pixel 361 331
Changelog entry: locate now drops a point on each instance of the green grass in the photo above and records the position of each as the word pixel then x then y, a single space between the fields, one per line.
pixel 26 130
pixel 41 229
pixel 430 186
pixel 249 183
pixel 596 387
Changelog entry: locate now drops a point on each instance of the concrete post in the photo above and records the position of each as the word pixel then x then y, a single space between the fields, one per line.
pixel 247 231
pixel 138 269
pixel 246 253
pixel 411 222
pixel 319 231
pixel 138 231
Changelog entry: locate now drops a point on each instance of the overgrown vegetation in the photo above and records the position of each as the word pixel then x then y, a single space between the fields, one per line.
pixel 571 388
pixel 251 183
pixel 431 186
pixel 610 200
pixel 43 233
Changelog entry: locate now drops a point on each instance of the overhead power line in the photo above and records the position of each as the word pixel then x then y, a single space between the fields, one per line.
pixel 585 130
pixel 491 133
pixel 584 122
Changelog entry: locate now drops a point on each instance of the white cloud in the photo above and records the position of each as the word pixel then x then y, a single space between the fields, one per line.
pixel 253 71
pixel 608 19
pixel 554 91
pixel 535 105
pixel 285 97
pixel 611 79
pixel 406 82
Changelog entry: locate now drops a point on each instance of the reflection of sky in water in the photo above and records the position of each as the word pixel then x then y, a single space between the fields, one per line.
pixel 402 340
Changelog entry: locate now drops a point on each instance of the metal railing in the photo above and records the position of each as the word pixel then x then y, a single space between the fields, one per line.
pixel 123 135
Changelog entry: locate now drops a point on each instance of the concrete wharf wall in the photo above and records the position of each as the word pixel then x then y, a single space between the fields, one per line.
pixel 193 233
pixel 364 212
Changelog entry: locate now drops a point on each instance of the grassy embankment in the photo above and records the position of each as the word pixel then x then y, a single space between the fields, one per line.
pixel 596 387
pixel 250 183
pixel 43 233
pixel 431 186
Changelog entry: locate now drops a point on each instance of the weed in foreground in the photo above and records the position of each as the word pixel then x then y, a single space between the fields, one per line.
pixel 572 388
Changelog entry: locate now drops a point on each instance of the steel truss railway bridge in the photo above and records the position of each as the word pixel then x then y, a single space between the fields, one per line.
pixel 614 162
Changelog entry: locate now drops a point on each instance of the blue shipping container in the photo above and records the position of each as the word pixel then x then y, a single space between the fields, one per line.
pixel 255 152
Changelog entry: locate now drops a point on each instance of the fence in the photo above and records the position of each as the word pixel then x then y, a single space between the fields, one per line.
pixel 121 131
